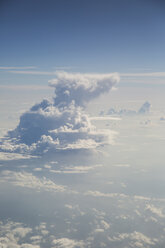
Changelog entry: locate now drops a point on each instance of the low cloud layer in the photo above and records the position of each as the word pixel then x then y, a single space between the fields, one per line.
pixel 62 124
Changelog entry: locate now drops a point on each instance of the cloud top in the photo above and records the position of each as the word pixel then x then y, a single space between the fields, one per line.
pixel 81 88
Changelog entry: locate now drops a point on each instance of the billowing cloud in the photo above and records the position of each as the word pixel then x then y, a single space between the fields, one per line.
pixel 81 88
pixel 62 124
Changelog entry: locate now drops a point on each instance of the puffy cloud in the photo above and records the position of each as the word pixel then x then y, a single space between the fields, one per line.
pixel 12 233
pixel 62 124
pixel 17 235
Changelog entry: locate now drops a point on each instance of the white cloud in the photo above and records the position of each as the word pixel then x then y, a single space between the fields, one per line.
pixel 101 194
pixel 67 243
pixel 17 235
pixel 12 233
pixel 62 124
pixel 28 180
pixel 76 169
pixel 99 230
pixel 155 210
pixel 135 239
pixel 13 156
pixel 81 87
pixel 105 225
pixel 19 70
pixel 29 246
pixel 21 231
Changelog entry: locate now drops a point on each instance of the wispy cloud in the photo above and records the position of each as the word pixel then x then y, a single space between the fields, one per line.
pixel 64 68
pixel 105 118
pixel 13 156
pixel 122 165
pixel 46 73
pixel 17 68
pixel 76 169
pixel 24 87
pixel 144 77
pixel 147 74
pixel 148 78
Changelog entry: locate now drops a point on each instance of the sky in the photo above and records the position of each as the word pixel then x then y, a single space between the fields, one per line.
pixel 82 124
pixel 82 36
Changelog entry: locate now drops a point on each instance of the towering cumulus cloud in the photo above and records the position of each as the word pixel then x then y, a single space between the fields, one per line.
pixel 62 124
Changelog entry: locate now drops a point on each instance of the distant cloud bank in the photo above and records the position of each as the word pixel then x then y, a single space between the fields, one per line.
pixel 62 124
pixel 144 109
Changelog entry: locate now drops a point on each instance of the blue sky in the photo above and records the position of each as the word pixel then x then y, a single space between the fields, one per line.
pixel 88 36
